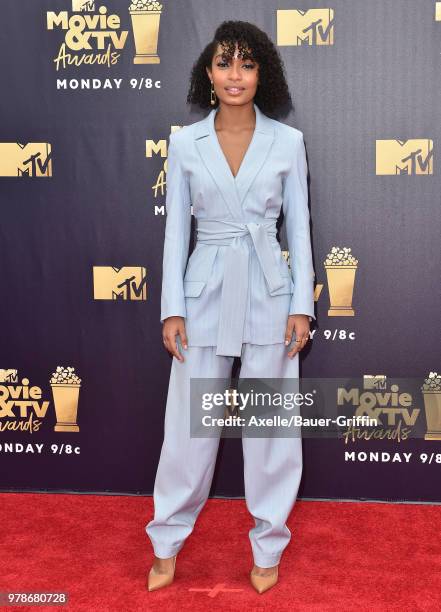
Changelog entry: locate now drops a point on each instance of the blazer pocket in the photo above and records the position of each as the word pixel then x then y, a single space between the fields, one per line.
pixel 280 261
pixel 200 263
pixel 287 287
pixel 193 288
pixel 285 273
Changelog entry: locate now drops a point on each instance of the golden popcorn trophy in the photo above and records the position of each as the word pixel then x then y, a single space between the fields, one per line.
pixel 65 390
pixel 432 404
pixel 340 267
pixel 145 16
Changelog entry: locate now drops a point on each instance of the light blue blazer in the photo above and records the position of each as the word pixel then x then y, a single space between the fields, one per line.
pixel 236 286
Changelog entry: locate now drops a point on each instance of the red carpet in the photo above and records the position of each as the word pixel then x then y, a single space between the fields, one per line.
pixel 342 556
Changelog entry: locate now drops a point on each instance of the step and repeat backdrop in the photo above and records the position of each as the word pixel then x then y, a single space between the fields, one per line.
pixel 91 91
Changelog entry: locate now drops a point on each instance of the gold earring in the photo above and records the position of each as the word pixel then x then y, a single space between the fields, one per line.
pixel 212 95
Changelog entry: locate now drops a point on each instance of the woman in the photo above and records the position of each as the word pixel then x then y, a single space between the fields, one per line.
pixel 236 296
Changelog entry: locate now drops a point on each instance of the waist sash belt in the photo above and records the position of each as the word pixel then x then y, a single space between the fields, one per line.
pixel 236 273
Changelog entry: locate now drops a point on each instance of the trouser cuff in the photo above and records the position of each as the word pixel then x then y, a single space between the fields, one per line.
pixel 165 552
pixel 266 560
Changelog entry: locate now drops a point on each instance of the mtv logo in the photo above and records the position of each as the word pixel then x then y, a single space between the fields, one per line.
pixel 377 381
pixel 25 159
pixel 8 376
pixel 313 27
pixel 126 283
pixel 413 156
pixel 83 6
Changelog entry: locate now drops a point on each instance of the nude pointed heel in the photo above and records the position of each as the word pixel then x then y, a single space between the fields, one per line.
pixel 263 583
pixel 158 581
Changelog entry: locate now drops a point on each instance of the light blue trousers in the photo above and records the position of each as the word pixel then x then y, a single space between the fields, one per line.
pixel 272 466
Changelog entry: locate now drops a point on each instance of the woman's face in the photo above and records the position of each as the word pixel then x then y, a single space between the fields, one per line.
pixel 234 79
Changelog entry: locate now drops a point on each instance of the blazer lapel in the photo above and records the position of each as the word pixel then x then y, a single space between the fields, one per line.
pixel 234 189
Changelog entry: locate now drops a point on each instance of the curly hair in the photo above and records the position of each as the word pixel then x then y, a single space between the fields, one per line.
pixel 272 94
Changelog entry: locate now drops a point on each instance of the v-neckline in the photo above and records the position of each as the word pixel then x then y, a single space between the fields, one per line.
pixel 222 152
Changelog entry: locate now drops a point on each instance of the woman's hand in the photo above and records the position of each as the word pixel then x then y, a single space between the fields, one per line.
pixel 172 327
pixel 300 324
